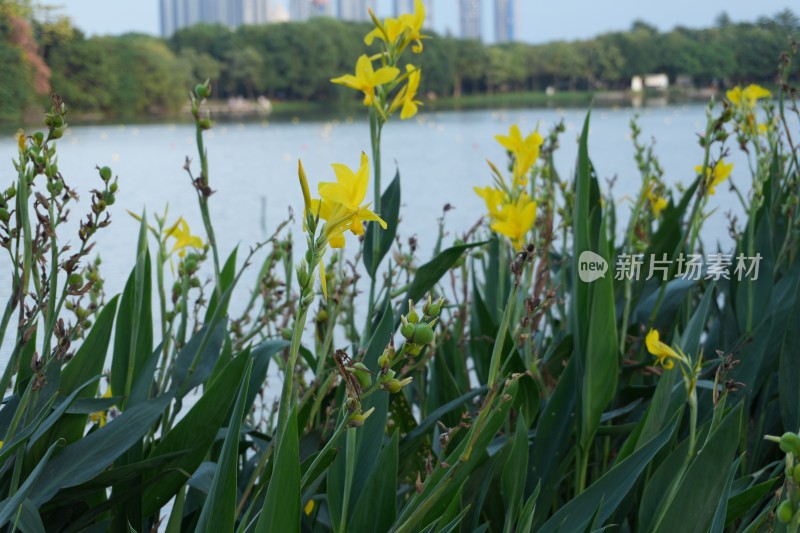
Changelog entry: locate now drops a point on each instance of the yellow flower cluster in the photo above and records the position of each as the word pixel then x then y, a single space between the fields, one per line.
pixel 511 210
pixel 341 205
pixel 744 102
pixel 720 172
pixel 378 84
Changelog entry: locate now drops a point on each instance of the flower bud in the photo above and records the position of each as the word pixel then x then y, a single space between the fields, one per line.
pixel 785 512
pixel 412 349
pixel 357 420
pixel 423 334
pixel 790 443
pixel 395 385
pixel 202 90
pixel 383 361
pixel 412 317
pixel 432 309
pixel 11 192
pixel 38 138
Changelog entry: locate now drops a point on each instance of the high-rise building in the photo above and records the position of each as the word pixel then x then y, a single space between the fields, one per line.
pixel 505 17
pixel 255 11
pixel 177 14
pixel 470 16
pixel 305 9
pixel 355 10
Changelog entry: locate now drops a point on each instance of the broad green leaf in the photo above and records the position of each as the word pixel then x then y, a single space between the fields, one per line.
pixel 193 435
pixel 610 490
pixel 10 506
pixel 699 491
pixel 376 506
pixel 718 523
pixel 227 279
pixel 429 274
pixel 390 213
pixel 219 509
pixel 281 510
pixel 512 480
pixel 86 458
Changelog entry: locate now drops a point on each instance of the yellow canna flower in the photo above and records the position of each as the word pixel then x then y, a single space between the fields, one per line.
pixel 515 220
pixel 406 96
pixel 366 78
pixel 493 198
pixel 20 135
pixel 657 202
pixel 99 417
pixel 747 97
pixel 183 238
pixel 720 173
pixel 390 31
pixel 663 352
pixel 413 24
pixel 341 203
pixel 525 151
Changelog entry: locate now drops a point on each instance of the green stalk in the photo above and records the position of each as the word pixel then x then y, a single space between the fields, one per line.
pixel 497 351
pixel 375 127
pixel 348 479
pixel 203 200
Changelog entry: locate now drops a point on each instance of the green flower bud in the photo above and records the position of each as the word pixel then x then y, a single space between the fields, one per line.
pixel 395 385
pixel 785 511
pixel 11 192
pixel 75 280
pixel 388 376
pixel 105 174
pixel 38 138
pixel 413 317
pixel 383 360
pixel 202 90
pixel 286 333
pixel 412 349
pixel 423 334
pixel 357 420
pixel 790 443
pixel 432 309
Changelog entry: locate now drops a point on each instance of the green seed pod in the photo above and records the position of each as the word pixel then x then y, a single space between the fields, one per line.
pixel 4 215
pixel 362 374
pixel 286 333
pixel 204 123
pixel 423 334
pixel 38 138
pixel 113 187
pixel 790 443
pixel 11 192
pixel 105 174
pixel 383 360
pixel 75 280
pixel 393 386
pixel 796 475
pixel 432 309
pixel 407 330
pixel 201 90
pixel 785 512
pixel 388 376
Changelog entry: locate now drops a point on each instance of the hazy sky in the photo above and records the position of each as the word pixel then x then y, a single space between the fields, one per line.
pixel 539 20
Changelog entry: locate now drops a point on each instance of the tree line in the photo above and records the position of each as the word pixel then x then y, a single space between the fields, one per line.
pixel 134 74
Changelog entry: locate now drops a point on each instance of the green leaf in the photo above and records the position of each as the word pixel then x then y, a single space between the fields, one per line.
pixel 219 509
pixel 203 349
pixel 86 458
pixel 193 435
pixel 91 356
pixel 390 213
pixel 696 498
pixel 133 335
pixel 10 506
pixel 610 490
pixel 376 507
pixel 227 278
pixel 429 274
pixel 718 524
pixel 512 480
pixel 281 510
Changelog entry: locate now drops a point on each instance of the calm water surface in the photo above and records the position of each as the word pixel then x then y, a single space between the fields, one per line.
pixel 253 168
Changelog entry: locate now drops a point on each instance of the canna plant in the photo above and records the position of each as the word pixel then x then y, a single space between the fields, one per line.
pixel 497 386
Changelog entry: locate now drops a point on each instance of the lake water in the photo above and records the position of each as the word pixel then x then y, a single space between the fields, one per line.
pixel 441 156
